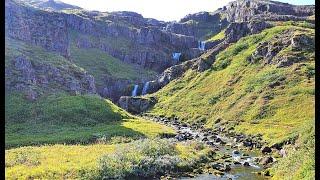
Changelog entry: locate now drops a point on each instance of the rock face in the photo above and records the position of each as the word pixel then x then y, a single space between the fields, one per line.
pixel 198 24
pixel 48 30
pixel 235 31
pixel 130 37
pixel 245 10
pixel 136 105
pixel 269 52
pixel 23 75
pixel 115 88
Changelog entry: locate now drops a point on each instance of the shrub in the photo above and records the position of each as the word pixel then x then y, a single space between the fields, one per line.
pixel 148 158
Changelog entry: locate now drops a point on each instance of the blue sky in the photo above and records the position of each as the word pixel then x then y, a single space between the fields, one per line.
pixel 167 10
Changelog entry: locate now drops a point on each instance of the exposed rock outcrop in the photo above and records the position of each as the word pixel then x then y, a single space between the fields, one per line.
pixel 268 52
pixel 246 10
pixel 235 31
pixel 48 30
pixel 34 78
pixel 136 105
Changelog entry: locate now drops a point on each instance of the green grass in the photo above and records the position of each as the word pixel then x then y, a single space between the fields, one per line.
pixel 238 92
pixel 35 54
pixel 101 65
pixel 142 157
pixel 218 36
pixel 300 163
pixel 71 119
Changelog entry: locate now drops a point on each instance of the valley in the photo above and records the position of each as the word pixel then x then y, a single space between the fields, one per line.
pixel 228 94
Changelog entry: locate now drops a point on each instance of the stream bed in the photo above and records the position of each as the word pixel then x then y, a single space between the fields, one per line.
pixel 243 165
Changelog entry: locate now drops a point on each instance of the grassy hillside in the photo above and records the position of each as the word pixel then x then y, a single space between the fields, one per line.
pixel 71 119
pixel 255 98
pixel 102 65
pixel 218 36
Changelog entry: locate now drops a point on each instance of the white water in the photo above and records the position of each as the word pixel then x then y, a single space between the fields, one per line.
pixel 134 91
pixel 176 56
pixel 145 88
pixel 201 45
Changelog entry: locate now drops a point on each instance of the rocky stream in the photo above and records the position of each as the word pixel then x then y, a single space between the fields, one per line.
pixel 243 157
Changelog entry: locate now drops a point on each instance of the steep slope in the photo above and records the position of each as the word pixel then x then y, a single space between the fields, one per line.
pixel 263 84
pixel 139 43
pixel 34 71
pixel 235 84
pixel 50 99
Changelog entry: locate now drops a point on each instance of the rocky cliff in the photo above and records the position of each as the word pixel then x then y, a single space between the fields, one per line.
pixel 141 43
pixel 146 44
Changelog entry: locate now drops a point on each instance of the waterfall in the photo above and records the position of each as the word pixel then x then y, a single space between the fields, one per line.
pixel 201 45
pixel 145 88
pixel 135 89
pixel 166 28
pixel 176 56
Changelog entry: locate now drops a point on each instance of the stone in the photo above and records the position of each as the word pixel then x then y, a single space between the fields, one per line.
pixel 136 104
pixel 266 160
pixel 283 153
pixel 266 149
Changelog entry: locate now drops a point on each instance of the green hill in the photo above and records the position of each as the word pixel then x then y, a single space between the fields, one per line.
pixel 253 95
pixel 71 119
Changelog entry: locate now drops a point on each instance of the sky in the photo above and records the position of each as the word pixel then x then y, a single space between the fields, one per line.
pixel 166 10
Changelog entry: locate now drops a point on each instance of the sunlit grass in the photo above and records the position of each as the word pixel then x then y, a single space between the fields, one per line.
pixel 100 160
pixel 238 92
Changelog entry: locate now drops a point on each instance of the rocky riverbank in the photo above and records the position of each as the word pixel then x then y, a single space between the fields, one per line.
pixel 236 155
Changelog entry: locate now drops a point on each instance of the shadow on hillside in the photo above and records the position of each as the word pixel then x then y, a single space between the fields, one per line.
pixel 31 134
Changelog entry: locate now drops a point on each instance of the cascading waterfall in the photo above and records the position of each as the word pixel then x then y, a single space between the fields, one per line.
pixel 201 45
pixel 176 56
pixel 134 91
pixel 145 88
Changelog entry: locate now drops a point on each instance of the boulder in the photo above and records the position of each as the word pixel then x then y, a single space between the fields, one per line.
pixel 266 149
pixel 266 160
pixel 136 105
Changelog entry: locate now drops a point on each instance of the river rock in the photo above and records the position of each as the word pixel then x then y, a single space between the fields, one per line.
pixel 221 167
pixel 235 152
pixel 266 149
pixel 266 160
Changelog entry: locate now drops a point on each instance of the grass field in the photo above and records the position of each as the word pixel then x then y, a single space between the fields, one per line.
pixel 101 160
